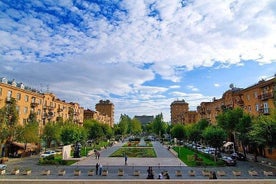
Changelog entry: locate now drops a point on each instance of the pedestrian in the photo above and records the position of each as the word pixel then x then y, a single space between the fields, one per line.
pixel 166 175
pixel 97 168
pixel 98 154
pixel 125 159
pixel 95 152
pixel 160 176
pixel 150 173
pixel 214 175
pixel 100 169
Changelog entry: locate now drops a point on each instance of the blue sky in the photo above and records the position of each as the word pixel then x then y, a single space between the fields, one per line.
pixel 140 54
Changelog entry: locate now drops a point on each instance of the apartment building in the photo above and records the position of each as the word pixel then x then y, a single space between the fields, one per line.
pixel 95 115
pixel 256 100
pixel 105 107
pixel 46 105
pixel 180 113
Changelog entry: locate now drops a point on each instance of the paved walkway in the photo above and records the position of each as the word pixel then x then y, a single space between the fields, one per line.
pixel 164 158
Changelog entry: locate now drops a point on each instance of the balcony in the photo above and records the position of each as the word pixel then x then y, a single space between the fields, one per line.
pixel 218 109
pixel 34 104
pixel 240 103
pixel 265 111
pixel 265 96
pixel 8 99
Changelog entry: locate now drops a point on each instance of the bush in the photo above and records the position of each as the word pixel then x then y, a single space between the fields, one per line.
pixel 55 160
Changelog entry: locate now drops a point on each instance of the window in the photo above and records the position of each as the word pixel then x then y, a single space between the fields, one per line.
pixel 26 98
pixel 18 109
pixel 256 94
pixel 266 108
pixel 0 91
pixel 25 110
pixel 248 97
pixel 38 112
pixel 257 107
pixel 33 99
pixel 18 96
pixel 9 95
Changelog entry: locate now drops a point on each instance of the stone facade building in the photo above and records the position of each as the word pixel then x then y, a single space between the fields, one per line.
pixel 180 113
pixel 257 99
pixel 46 106
pixel 106 108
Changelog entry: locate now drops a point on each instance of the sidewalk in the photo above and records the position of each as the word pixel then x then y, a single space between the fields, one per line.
pixel 263 161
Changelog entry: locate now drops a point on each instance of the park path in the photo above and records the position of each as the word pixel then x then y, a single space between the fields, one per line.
pixel 164 158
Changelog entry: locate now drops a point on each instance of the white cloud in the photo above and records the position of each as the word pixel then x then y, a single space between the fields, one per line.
pixel 193 88
pixel 217 85
pixel 102 52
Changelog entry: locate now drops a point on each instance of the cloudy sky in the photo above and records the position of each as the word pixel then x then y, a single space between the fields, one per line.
pixel 140 54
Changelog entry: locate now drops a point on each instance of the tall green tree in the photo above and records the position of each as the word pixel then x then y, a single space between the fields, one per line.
pixel 242 129
pixel 124 123
pixel 94 130
pixel 72 133
pixel 262 134
pixel 51 133
pixel 9 127
pixel 214 136
pixel 228 120
pixel 158 125
pixel 193 132
pixel 136 126
pixel 29 134
pixel 178 131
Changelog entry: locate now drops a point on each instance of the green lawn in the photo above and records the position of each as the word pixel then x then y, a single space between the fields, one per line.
pixel 134 152
pixel 188 157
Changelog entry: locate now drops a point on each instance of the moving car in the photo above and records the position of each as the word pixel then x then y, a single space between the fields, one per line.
pixel 229 161
pixel 47 153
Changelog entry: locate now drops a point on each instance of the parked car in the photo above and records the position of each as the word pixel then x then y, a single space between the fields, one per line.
pixel 3 166
pixel 47 153
pixel 238 156
pixel 229 161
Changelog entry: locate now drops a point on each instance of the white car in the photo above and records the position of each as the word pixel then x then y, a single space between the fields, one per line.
pixel 3 166
pixel 47 153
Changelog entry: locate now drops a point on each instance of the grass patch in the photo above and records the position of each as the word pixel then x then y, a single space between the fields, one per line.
pixel 187 156
pixel 135 152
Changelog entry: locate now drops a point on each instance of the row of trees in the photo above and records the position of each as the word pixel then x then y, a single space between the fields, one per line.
pixel 254 133
pixel 57 133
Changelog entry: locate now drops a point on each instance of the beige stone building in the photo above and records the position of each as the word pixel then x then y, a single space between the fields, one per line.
pixel 180 113
pixel 256 99
pixel 46 105
pixel 105 107
pixel 95 115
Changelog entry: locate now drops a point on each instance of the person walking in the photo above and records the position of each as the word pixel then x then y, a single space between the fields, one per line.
pixel 125 159
pixel 150 173
pixel 97 168
pixel 100 169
